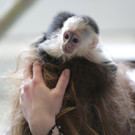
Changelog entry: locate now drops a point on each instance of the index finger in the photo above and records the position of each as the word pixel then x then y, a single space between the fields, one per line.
pixel 37 71
pixel 63 81
pixel 27 74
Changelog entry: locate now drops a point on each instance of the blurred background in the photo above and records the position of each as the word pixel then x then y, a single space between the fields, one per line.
pixel 21 21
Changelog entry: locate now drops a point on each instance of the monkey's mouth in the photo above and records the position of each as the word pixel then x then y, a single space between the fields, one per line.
pixel 66 51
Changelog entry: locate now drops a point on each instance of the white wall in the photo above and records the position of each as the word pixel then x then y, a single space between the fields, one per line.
pixel 110 14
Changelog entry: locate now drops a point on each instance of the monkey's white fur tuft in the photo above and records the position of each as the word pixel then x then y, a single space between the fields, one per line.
pixel 75 23
pixel 90 47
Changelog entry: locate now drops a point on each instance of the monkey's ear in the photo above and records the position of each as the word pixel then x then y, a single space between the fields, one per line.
pixel 38 40
pixel 94 42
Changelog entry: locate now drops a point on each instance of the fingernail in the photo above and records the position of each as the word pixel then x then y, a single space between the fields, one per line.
pixel 67 72
pixel 37 62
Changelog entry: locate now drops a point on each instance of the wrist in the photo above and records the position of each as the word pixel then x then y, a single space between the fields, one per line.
pixel 42 127
pixel 53 130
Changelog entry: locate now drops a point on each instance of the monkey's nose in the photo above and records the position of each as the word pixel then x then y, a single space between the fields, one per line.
pixel 68 47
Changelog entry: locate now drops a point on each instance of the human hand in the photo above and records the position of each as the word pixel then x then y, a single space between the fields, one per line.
pixel 39 104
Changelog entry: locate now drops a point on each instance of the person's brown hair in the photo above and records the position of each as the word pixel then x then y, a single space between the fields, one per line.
pixel 96 101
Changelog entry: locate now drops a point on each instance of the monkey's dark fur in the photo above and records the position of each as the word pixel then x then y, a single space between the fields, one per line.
pixel 96 101
pixel 57 22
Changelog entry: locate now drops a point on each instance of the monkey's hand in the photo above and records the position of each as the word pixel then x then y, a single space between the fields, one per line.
pixel 39 104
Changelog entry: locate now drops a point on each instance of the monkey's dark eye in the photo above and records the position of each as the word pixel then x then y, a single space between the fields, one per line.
pixel 66 36
pixel 75 40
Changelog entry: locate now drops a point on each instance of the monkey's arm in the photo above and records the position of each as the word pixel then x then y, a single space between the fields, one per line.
pixel 51 46
pixel 38 40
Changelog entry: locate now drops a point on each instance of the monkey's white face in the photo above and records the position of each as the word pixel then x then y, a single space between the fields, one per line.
pixel 77 36
pixel 71 41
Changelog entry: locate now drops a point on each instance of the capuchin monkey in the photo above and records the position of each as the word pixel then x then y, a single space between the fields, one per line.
pixel 78 36
pixel 98 99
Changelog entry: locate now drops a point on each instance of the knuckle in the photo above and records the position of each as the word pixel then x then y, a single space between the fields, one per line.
pixel 34 82
pixel 57 95
pixel 26 87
